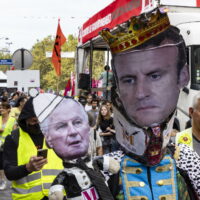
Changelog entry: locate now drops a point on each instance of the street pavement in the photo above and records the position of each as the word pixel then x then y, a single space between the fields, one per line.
pixel 6 194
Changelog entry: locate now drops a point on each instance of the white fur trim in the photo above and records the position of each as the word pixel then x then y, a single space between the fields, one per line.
pixel 106 163
pixel 56 188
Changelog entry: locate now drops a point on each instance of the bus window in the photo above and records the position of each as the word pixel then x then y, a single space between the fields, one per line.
pixel 195 67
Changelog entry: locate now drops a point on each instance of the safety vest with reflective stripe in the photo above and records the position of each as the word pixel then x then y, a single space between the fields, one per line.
pixel 8 128
pixel 35 185
pixel 185 137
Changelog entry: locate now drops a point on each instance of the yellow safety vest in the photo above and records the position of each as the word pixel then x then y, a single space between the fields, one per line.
pixel 35 185
pixel 15 112
pixel 8 128
pixel 185 137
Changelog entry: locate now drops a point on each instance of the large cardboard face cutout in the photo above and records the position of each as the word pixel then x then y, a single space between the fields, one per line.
pixel 148 84
pixel 149 65
pixel 66 129
pixel 148 89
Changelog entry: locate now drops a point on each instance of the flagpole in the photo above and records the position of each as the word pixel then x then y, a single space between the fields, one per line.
pixel 57 85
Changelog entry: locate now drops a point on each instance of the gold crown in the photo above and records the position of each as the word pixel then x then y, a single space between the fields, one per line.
pixel 141 29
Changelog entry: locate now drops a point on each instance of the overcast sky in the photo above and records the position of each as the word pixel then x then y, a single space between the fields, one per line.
pixel 25 21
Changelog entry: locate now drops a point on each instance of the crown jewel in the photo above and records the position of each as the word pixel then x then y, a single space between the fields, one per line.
pixel 141 29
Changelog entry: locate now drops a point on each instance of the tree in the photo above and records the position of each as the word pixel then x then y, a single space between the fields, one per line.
pixel 4 68
pixel 47 74
pixel 98 64
pixel 48 78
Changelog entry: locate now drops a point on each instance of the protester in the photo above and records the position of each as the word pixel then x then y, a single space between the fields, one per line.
pixel 64 124
pixel 82 100
pixel 109 105
pixel 93 113
pixel 31 175
pixel 95 144
pixel 16 110
pixel 4 95
pixel 13 99
pixel 6 126
pixel 150 69
pixel 191 136
pixel 107 80
pixel 106 130
pixel 4 99
pixel 88 105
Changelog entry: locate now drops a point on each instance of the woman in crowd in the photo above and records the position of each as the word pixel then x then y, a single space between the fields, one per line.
pixel 13 99
pixel 109 105
pixel 7 124
pixel 106 129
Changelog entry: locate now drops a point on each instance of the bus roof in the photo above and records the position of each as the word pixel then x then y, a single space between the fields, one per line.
pixel 118 12
pixel 112 15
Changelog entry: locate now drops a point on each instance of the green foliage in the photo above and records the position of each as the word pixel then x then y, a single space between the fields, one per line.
pixel 48 78
pixel 98 64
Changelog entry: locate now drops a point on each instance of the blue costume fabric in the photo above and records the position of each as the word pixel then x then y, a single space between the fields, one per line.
pixel 136 178
pixel 174 178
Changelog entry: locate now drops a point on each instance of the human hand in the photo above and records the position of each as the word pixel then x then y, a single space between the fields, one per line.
pixel 108 128
pixel 36 163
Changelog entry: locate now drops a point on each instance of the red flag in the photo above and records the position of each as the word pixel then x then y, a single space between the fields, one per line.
pixel 56 55
pixel 67 87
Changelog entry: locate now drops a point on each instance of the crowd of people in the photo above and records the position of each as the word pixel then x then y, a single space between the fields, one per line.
pixel 100 115
pixel 52 147
pixel 10 108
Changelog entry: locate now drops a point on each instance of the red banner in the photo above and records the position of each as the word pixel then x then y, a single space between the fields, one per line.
pixel 116 13
pixel 198 3
pixel 56 55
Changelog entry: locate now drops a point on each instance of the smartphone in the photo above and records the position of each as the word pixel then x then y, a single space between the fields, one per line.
pixel 42 152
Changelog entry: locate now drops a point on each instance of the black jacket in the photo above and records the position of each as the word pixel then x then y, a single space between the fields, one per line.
pixel 12 171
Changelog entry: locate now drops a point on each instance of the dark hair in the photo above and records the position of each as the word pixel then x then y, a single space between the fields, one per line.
pixel 82 100
pixel 14 94
pixel 107 68
pixel 19 100
pixel 173 34
pixel 4 99
pixel 3 92
pixel 5 105
pixel 95 100
pixel 110 102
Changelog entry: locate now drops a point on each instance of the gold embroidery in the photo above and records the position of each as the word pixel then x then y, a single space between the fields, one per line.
pixel 177 153
pixel 167 197
pixel 132 170
pixel 164 168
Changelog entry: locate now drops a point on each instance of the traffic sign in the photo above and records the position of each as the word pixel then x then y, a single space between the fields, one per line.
pixel 22 59
pixel 6 62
